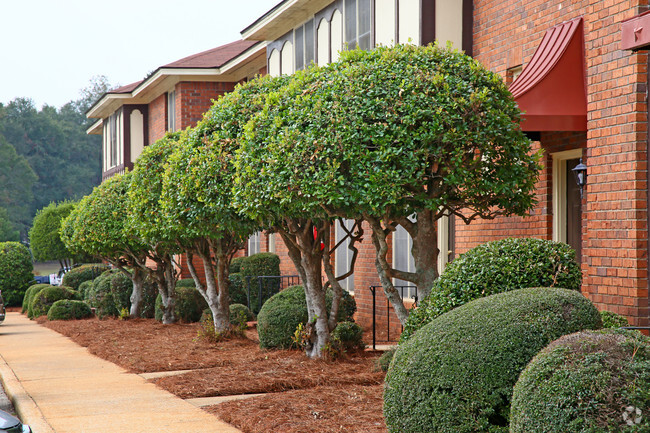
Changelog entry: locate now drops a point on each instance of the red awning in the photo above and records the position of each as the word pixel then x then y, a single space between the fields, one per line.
pixel 551 90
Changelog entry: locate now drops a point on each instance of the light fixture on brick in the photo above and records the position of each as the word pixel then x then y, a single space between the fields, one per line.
pixel 580 175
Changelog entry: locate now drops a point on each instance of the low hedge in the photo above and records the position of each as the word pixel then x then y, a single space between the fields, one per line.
pixel 596 382
pixel 456 374
pixel 29 295
pixel 66 309
pixel 86 272
pixel 46 297
pixel 189 305
pixel 186 282
pixel 613 320
pixel 496 267
pixel 284 311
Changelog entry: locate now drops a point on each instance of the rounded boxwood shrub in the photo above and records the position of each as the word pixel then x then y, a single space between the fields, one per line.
pixel 29 295
pixel 16 272
pixel 86 272
pixel 596 382
pixel 237 289
pixel 102 296
pixel 613 320
pixel 495 267
pixel 259 265
pixel 84 287
pixel 186 282
pixel 189 305
pixel 347 336
pixel 66 309
pixel 456 374
pixel 47 296
pixel 284 311
pixel 235 265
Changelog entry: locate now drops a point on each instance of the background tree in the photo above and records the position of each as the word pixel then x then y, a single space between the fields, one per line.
pixel 98 226
pixel 44 238
pixel 7 230
pixel 16 183
pixel 397 136
pixel 148 223
pixel 16 272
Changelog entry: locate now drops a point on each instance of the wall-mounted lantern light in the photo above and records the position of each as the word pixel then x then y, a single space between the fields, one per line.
pixel 580 174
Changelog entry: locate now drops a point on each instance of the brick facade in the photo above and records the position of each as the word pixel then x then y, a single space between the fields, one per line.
pixel 157 118
pixel 194 98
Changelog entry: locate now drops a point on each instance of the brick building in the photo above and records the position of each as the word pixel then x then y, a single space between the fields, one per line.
pixel 584 97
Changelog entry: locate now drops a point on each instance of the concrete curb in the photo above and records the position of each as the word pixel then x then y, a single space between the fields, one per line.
pixel 26 408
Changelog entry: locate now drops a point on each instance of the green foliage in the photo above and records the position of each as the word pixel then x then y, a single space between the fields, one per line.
pixel 238 289
pixel 16 272
pixel 383 362
pixel 260 264
pixel 84 287
pixel 86 272
pixel 347 337
pixel 46 297
pixel 186 282
pixel 189 305
pixel 613 320
pixel 596 382
pixel 495 267
pixel 239 315
pixel 44 237
pixel 29 295
pixel 106 297
pixel 8 231
pixel 235 265
pixel 17 181
pixel 284 311
pixel 66 309
pixel 456 374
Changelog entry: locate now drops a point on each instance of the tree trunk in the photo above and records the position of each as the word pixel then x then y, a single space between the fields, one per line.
pixel 165 278
pixel 137 278
pixel 425 251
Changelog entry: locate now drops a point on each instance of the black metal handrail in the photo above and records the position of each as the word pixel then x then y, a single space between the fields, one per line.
pixel 268 285
pixel 401 289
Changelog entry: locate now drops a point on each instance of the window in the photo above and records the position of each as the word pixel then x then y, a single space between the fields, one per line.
pixel 171 111
pixel 112 140
pixel 403 260
pixel 112 126
pixel 304 43
pixel 343 259
pixel 358 16
pixel 254 244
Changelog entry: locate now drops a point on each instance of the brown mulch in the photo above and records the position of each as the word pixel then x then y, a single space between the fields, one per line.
pixel 303 395
pixel 326 409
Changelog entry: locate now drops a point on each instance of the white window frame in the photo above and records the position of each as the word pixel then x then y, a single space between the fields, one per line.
pixel 559 191
pixel 410 261
pixel 343 255
pixel 171 111
pixel 354 42
pixel 254 244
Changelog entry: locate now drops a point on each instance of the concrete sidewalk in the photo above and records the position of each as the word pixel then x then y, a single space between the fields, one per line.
pixel 58 386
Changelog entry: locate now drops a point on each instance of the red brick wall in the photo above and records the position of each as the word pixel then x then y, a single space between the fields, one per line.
pixel 157 118
pixel 195 98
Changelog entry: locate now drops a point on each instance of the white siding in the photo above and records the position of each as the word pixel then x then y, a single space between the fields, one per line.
pixel 323 37
pixel 137 134
pixel 287 58
pixel 409 21
pixel 274 64
pixel 449 22
pixel 385 22
pixel 337 34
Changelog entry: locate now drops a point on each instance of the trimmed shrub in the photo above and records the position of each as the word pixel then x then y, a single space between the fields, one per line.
pixel 101 297
pixel 456 374
pixel 16 272
pixel 29 295
pixel 347 337
pixel 613 320
pixel 66 309
pixel 87 272
pixel 110 293
pixel 383 362
pixel 260 264
pixel 596 382
pixel 47 296
pixel 84 287
pixel 238 289
pixel 495 267
pixel 189 305
pixel 284 311
pixel 239 315
pixel 235 265
pixel 186 282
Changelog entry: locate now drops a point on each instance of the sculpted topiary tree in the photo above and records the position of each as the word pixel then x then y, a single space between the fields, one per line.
pixel 44 238
pixel 148 222
pixel 396 136
pixel 98 226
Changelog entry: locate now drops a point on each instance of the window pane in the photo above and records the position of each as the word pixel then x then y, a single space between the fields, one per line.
pixel 299 44
pixel 309 42
pixel 364 17
pixel 402 258
pixel 351 23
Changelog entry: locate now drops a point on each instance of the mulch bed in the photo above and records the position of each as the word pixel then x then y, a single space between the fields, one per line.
pixel 303 395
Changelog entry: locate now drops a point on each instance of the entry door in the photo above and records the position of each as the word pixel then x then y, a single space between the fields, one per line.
pixel 573 210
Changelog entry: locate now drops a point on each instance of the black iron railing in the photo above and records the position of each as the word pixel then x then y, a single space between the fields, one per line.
pixel 267 286
pixel 406 292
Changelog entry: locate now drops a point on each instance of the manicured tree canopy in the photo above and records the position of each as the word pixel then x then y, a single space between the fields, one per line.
pixel 197 199
pixel 44 238
pixel 98 226
pixel 15 272
pixel 392 133
pixel 148 221
pixel 7 230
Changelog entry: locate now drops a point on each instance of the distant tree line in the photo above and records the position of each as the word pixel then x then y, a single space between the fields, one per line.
pixel 45 156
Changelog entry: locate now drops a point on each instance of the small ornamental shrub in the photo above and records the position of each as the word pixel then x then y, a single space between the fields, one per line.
pixel 237 289
pixel 456 374
pixel 16 272
pixel 186 282
pixel 284 311
pixel 260 265
pixel 235 264
pixel 46 297
pixel 87 272
pixel 613 320
pixel 596 382
pixel 100 295
pixel 347 337
pixel 239 315
pixel 495 267
pixel 189 305
pixel 29 295
pixel 84 287
pixel 66 309
pixel 383 362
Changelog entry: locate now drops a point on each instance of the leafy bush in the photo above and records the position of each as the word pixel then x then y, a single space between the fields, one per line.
pixel 87 272
pixel 66 309
pixel 29 295
pixel 593 382
pixel 383 362
pixel 239 315
pixel 238 291
pixel 186 282
pixel 260 264
pixel 456 374
pixel 347 337
pixel 16 272
pixel 284 311
pixel 613 320
pixel 84 287
pixel 235 264
pixel 102 296
pixel 47 296
pixel 496 267
pixel 189 305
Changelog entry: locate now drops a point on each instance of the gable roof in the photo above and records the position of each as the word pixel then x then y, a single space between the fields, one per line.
pixel 214 58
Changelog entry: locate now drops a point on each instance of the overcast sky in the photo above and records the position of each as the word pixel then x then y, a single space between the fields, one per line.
pixel 50 49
